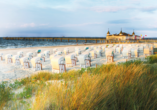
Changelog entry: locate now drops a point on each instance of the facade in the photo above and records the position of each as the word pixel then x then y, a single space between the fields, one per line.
pixel 122 36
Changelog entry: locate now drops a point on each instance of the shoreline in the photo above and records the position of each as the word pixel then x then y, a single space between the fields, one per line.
pixel 85 44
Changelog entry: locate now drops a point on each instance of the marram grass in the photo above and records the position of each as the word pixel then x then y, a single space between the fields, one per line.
pixel 111 87
pixel 130 85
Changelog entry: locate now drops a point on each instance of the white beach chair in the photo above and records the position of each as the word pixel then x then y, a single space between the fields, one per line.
pixel 58 64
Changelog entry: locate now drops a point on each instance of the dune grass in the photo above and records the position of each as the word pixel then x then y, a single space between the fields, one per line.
pixel 152 59
pixel 108 87
pixel 5 94
pixel 131 85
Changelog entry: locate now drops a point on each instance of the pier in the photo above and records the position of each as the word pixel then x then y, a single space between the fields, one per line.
pixel 85 39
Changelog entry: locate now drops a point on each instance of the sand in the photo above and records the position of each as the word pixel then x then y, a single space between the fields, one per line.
pixel 10 72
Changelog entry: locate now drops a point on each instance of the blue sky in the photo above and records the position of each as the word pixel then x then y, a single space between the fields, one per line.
pixel 76 18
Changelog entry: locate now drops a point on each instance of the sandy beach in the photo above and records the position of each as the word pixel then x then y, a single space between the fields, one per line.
pixel 12 72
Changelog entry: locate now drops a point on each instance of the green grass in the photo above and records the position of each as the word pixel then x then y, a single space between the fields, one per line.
pixel 136 62
pixel 5 94
pixel 152 59
pixel 16 84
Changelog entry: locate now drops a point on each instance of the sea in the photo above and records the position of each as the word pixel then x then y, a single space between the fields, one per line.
pixel 8 44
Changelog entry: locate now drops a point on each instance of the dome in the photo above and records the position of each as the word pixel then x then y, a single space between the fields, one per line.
pixel 108 32
pixel 121 32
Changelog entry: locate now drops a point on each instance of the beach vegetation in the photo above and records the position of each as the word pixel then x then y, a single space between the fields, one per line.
pixel 152 59
pixel 131 85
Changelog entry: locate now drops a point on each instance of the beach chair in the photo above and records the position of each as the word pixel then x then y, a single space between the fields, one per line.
pixel 141 49
pixel 78 52
pixel 103 48
pixel 99 52
pixel 24 61
pixel 126 53
pixel 30 55
pixel 84 60
pixel 36 63
pixel 118 50
pixel 147 51
pixel 109 56
pixel 47 53
pixel 134 52
pixel 93 54
pixel 70 60
pixel 66 51
pixel 51 56
pixel 59 53
pixel 58 64
pixel 16 59
pixel 155 45
pixel 36 52
pixel 20 54
pixel 1 56
pixel 99 47
pixel 76 48
pixel 55 50
pixel 92 47
pixel 42 56
pixel 8 58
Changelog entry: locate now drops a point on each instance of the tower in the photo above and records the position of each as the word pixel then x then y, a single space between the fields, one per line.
pixel 133 33
pixel 120 32
pixel 108 33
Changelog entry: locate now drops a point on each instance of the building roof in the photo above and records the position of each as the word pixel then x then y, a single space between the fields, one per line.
pixel 121 34
pixel 133 33
pixel 108 32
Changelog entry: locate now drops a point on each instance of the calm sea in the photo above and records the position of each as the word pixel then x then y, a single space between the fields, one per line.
pixel 7 44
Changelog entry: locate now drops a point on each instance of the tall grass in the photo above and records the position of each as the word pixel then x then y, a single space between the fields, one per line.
pixel 129 85
pixel 30 86
pixel 108 87
pixel 46 76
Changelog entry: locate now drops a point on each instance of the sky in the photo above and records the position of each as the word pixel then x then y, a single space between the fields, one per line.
pixel 77 18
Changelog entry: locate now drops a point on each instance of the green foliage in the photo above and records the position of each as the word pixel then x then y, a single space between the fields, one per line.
pixel 16 84
pixel 27 91
pixel 152 59
pixel 136 62
pixel 82 71
pixel 5 94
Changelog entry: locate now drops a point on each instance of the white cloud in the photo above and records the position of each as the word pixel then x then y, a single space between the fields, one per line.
pixel 28 25
pixel 43 24
pixel 110 8
pixel 83 24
